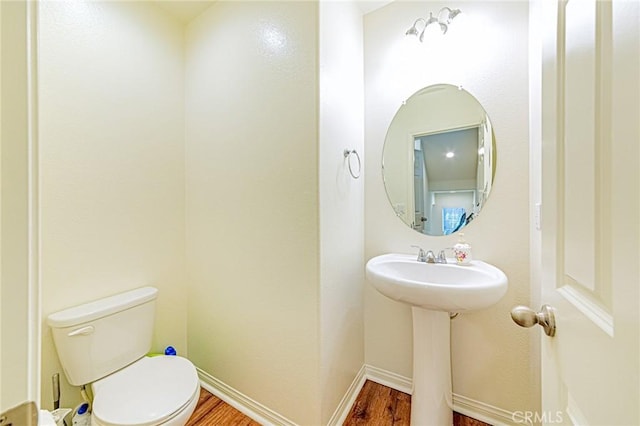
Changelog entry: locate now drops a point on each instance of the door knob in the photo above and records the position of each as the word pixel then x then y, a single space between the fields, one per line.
pixel 527 317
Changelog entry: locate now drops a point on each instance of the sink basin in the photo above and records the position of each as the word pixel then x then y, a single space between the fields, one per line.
pixel 440 287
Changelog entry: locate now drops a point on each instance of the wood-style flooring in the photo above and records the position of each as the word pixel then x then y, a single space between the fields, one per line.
pixel 380 405
pixel 376 405
pixel 212 411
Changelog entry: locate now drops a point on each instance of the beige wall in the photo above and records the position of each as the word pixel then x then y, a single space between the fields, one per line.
pixel 267 313
pixel 111 163
pixel 485 51
pixel 2 343
pixel 14 308
pixel 252 201
pixel 341 202
pixel 273 220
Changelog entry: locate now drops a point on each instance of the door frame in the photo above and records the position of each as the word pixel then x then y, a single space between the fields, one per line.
pixel 19 282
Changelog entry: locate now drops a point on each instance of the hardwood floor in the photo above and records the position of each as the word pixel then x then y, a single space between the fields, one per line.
pixel 461 420
pixel 380 405
pixel 376 405
pixel 212 411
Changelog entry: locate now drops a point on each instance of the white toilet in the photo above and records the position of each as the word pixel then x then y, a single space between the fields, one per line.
pixel 105 343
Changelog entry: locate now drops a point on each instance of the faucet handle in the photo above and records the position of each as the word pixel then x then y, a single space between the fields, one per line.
pixel 430 257
pixel 442 257
pixel 422 257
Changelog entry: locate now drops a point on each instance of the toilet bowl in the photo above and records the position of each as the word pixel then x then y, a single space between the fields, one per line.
pixel 152 391
pixel 104 343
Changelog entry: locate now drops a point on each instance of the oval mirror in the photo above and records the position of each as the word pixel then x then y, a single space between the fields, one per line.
pixel 438 161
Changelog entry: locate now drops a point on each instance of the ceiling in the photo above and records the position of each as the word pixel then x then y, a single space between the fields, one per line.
pixel 187 10
pixel 462 166
pixel 367 6
pixel 184 10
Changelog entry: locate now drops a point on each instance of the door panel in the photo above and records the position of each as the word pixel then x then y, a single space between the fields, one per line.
pixel 590 216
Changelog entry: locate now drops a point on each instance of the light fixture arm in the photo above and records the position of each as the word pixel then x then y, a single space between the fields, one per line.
pixel 448 9
pixel 442 21
pixel 432 19
pixel 420 20
pixel 452 13
pixel 443 28
pixel 414 29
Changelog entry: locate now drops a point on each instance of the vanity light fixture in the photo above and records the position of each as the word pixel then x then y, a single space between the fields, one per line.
pixel 443 18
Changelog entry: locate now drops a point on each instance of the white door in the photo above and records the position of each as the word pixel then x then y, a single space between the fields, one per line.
pixel 590 211
pixel 418 190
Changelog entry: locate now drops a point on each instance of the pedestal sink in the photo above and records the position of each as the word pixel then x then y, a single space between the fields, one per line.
pixel 434 290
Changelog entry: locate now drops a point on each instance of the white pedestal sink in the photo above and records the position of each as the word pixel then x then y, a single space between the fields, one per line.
pixel 434 290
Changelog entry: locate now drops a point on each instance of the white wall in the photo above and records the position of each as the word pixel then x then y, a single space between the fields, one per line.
pixel 252 201
pixel 112 167
pixel 6 343
pixel 111 163
pixel 341 202
pixel 267 313
pixel 14 308
pixel 485 51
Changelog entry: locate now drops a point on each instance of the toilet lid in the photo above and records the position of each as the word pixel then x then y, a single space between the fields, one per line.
pixel 147 392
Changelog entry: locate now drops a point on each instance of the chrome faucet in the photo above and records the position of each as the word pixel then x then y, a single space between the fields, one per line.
pixel 422 256
pixel 429 256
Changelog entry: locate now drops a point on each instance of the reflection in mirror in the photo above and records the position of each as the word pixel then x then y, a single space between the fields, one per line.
pixel 439 160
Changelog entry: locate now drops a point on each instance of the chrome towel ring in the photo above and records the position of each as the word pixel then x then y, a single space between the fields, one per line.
pixel 348 154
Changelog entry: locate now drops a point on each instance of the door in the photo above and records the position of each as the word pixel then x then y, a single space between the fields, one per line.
pixel 418 187
pixel 590 211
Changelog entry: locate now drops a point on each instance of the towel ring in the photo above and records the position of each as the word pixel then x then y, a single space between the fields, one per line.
pixel 348 154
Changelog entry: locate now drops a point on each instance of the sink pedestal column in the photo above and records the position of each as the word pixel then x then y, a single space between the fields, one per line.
pixel 431 401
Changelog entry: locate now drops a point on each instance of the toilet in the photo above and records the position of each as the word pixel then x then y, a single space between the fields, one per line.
pixel 105 343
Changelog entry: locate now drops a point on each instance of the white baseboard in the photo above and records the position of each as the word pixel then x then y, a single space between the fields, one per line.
pixel 487 413
pixel 469 407
pixel 349 398
pixel 267 417
pixel 242 402
pixel 389 379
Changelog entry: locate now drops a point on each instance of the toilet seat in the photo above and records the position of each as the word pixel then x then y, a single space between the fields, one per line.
pixel 149 392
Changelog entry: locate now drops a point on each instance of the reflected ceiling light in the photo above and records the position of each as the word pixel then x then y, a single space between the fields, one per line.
pixel 443 19
pixel 450 154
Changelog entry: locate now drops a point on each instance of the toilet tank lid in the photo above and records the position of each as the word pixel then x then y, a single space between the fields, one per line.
pixel 101 308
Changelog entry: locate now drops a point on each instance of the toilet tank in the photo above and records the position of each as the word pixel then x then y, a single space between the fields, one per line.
pixel 95 339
